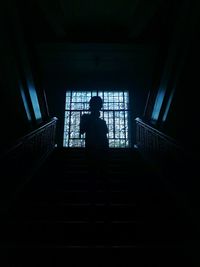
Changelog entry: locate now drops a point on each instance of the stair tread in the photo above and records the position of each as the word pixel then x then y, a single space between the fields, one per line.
pixel 67 205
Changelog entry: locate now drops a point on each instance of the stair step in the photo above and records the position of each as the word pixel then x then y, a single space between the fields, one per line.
pixel 74 233
pixel 69 207
pixel 106 255
pixel 83 212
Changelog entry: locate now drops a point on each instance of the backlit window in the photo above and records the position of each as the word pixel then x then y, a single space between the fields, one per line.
pixel 114 112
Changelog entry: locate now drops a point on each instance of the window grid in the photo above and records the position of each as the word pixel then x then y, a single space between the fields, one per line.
pixel 114 112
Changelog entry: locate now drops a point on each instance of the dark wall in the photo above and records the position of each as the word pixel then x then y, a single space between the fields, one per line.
pixel 182 121
pixel 16 79
pixel 184 115
pixel 58 78
pixel 13 117
pixel 180 74
pixel 56 94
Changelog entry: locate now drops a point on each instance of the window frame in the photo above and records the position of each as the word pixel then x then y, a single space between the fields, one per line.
pixel 123 138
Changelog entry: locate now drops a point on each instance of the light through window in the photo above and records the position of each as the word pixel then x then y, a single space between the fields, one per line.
pixel 114 112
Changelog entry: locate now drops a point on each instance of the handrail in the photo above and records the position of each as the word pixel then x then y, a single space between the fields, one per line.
pixel 25 158
pixel 161 134
pixel 54 119
pixel 21 140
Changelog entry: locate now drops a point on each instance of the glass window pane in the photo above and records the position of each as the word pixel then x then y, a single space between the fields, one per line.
pixel 114 112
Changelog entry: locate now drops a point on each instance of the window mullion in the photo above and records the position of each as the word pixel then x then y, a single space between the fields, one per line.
pixel 113 124
pixel 124 118
pixel 70 107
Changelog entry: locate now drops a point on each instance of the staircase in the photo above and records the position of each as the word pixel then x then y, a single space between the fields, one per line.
pixel 117 213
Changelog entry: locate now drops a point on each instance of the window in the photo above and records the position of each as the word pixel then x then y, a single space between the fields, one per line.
pixel 158 104
pixel 168 105
pixel 35 102
pixel 28 113
pixel 114 112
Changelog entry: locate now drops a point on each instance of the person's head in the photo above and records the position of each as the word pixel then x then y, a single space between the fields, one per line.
pixel 95 103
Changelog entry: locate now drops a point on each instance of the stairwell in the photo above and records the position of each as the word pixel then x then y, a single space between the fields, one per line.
pixel 116 214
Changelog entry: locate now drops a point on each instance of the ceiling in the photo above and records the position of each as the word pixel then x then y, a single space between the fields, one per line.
pixel 97 37
pixel 96 21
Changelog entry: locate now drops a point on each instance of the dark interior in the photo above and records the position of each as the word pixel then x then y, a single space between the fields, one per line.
pixel 140 205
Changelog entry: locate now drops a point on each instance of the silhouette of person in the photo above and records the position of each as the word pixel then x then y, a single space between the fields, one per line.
pixel 96 143
pixel 94 127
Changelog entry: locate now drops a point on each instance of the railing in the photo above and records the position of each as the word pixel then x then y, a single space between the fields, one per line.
pixel 37 141
pixel 154 143
pixel 172 165
pixel 23 158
